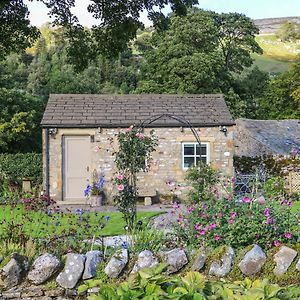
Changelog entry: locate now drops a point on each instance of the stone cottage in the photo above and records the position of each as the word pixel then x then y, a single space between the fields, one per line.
pixel 79 137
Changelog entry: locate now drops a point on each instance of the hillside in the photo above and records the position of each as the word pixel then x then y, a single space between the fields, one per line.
pixel 271 25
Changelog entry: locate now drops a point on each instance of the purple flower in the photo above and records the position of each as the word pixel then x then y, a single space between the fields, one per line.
pixel 269 221
pixel 87 190
pixel 197 226
pixel 124 245
pixel 107 218
pixel 276 243
pixel 191 208
pixel 212 226
pixel 288 235
pixel 267 212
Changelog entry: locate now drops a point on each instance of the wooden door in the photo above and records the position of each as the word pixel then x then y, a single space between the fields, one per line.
pixel 77 159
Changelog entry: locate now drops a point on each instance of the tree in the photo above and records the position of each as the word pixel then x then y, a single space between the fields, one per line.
pixel 289 31
pixel 281 98
pixel 201 53
pixel 16 33
pixel 119 22
pixel 20 115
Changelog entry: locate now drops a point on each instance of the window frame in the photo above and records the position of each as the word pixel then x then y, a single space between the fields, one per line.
pixel 207 156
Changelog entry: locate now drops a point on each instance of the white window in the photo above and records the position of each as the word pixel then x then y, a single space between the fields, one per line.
pixel 191 154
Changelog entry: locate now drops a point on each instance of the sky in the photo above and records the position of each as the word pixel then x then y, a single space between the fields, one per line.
pixel 255 9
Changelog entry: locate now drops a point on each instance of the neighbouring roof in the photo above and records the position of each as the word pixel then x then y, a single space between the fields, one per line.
pixel 68 110
pixel 277 136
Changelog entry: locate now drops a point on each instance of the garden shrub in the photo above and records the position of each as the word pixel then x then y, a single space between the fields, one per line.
pixel 219 217
pixel 15 167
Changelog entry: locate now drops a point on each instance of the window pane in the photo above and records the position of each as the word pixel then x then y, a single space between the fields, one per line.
pixel 189 149
pixel 203 159
pixel 203 150
pixel 188 162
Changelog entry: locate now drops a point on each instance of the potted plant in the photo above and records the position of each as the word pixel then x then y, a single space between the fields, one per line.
pixel 94 191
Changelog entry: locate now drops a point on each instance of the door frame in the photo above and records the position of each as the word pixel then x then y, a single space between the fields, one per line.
pixel 63 160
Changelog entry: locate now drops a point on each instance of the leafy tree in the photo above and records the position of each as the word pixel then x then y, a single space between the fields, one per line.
pixel 119 24
pixel 289 31
pixel 202 53
pixel 20 115
pixel 16 33
pixel 281 99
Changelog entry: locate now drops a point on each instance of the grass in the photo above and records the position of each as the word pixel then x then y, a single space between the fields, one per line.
pixel 40 225
pixel 270 65
pixel 296 207
pixel 273 47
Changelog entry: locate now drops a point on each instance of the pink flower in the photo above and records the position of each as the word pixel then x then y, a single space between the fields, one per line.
pixel 197 226
pixel 276 243
pixel 97 149
pixel 140 136
pixel 261 200
pixel 191 208
pixel 247 199
pixel 120 177
pixel 269 221
pixel 129 128
pixel 202 232
pixel 230 221
pixel 217 237
pixel 288 235
pixel 267 212
pixel 212 226
pixel 233 215
pixel 120 187
pixel 176 205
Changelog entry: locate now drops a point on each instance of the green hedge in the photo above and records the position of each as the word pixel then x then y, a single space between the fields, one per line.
pixel 15 167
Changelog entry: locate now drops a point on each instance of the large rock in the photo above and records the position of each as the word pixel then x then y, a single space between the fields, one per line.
pixel 283 258
pixel 175 260
pixel 72 271
pixel 116 264
pixel 43 268
pixel 199 261
pixel 14 271
pixel 222 268
pixel 146 259
pixel 93 258
pixel 253 261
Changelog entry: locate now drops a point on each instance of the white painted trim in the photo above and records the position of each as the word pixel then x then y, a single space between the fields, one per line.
pixel 207 144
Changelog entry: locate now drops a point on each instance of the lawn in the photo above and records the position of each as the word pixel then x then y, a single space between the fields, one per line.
pixel 40 225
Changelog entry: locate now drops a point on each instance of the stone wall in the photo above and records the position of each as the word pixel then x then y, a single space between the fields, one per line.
pixel 166 164
pixel 19 280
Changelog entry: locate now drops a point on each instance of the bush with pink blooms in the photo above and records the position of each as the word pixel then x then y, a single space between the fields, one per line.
pixel 225 219
pixel 135 149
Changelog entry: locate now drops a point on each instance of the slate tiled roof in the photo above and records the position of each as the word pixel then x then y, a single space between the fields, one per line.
pixel 278 136
pixel 68 110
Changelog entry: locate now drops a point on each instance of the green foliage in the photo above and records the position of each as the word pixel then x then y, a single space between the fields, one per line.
pixel 281 98
pixel 135 149
pixel 151 284
pixel 15 167
pixel 16 33
pixel 289 31
pixel 220 217
pixel 20 115
pixel 201 178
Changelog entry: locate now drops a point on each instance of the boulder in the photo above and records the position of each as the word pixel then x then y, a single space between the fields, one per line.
pixel 253 261
pixel 146 259
pixel 72 271
pixel 117 263
pixel 14 271
pixel 199 261
pixel 222 268
pixel 175 260
pixel 43 268
pixel 283 259
pixel 93 258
